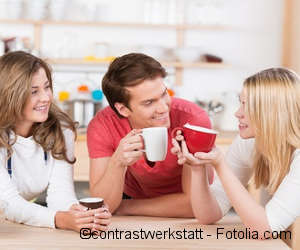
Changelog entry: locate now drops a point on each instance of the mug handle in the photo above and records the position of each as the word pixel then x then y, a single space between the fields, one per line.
pixel 174 131
pixel 141 135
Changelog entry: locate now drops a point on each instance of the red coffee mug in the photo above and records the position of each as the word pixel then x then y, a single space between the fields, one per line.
pixel 198 139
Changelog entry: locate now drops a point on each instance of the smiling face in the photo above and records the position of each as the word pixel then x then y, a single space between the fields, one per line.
pixel 149 104
pixel 38 103
pixel 245 128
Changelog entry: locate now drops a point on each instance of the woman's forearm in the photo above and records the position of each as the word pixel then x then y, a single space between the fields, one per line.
pixel 252 214
pixel 204 205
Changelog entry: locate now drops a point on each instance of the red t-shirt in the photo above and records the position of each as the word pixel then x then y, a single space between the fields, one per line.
pixel 142 181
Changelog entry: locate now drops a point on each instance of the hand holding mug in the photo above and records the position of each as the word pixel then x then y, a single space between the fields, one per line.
pixel 130 148
pixel 78 217
pixel 215 157
pixel 198 139
pixel 101 213
pixel 95 219
pixel 184 156
pixel 188 159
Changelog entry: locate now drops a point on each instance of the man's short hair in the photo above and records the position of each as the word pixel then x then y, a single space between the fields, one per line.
pixel 127 71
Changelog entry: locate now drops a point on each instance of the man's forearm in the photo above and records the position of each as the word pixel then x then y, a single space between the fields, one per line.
pixel 110 186
pixel 171 205
pixel 204 204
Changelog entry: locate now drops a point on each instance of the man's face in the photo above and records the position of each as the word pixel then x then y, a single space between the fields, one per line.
pixel 149 104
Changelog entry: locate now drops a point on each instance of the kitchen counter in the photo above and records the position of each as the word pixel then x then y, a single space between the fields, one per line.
pixel 217 236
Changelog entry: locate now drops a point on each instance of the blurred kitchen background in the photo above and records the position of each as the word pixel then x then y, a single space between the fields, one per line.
pixel 208 47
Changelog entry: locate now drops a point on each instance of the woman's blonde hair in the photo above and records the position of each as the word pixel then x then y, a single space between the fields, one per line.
pixel 273 106
pixel 16 72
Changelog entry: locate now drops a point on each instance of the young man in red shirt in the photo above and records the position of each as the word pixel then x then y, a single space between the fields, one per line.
pixel 138 98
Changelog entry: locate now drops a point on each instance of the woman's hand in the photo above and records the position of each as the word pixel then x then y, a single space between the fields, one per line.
pixel 79 217
pixel 78 207
pixel 102 219
pixel 186 158
pixel 215 157
pixel 183 154
pixel 176 149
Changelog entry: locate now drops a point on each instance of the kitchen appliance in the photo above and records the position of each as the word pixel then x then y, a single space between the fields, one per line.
pixel 82 111
pixel 214 109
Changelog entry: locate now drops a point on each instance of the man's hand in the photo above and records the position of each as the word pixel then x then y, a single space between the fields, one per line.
pixel 130 148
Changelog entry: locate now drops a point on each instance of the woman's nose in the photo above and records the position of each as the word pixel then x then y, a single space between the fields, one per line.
pixel 238 113
pixel 44 96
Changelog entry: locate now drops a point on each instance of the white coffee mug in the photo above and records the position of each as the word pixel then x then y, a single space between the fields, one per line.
pixel 156 143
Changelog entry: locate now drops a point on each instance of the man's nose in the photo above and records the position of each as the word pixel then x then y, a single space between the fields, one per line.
pixel 162 106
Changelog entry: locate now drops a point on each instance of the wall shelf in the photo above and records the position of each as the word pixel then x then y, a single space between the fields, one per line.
pixel 178 28
pixel 74 61
pixel 116 24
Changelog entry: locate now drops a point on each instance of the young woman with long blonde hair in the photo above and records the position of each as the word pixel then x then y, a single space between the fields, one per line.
pixel 266 152
pixel 36 150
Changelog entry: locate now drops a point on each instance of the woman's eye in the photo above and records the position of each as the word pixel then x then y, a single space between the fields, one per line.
pixel 33 92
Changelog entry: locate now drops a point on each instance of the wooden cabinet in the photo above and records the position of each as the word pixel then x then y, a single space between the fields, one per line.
pixel 81 166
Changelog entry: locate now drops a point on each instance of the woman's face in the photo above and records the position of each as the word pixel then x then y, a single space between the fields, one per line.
pixel 38 104
pixel 245 128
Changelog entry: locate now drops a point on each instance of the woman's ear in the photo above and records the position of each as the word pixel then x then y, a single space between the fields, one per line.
pixel 122 109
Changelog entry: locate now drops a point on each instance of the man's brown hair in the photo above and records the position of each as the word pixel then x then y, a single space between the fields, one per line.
pixel 127 71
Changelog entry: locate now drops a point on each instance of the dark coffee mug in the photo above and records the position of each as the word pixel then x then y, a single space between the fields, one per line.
pixel 198 139
pixel 92 202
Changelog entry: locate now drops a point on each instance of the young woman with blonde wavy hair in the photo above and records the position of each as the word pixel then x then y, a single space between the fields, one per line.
pixel 266 152
pixel 36 150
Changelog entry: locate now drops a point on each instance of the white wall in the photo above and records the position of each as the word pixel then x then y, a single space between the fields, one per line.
pixel 295 37
pixel 252 42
